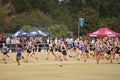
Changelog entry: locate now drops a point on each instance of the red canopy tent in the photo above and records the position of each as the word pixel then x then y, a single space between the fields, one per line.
pixel 104 32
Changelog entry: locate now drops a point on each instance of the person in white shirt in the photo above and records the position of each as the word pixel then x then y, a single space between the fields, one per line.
pixel 8 40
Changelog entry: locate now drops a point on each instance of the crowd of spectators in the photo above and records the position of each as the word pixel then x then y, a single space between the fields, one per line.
pixel 11 42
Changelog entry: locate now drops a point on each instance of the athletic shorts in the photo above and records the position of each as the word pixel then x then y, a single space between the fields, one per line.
pixel 59 50
pixel 98 52
pixel 117 52
pixel 81 49
pixel 19 55
pixel 108 51
pixel 27 50
pixel 50 48
pixel 5 53
pixel 64 52
pixel 86 51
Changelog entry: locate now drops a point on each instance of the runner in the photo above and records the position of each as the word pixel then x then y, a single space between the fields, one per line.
pixel 117 52
pixel 5 53
pixel 51 50
pixel 30 48
pixel 19 54
pixel 82 50
pixel 98 51
pixel 108 51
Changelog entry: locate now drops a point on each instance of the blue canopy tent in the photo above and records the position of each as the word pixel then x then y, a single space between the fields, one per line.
pixel 34 33
pixel 37 33
pixel 20 33
pixel 43 33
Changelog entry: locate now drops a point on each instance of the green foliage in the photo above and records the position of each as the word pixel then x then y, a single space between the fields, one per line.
pixel 41 19
pixel 58 30
pixel 1 21
pixel 45 14
pixel 91 17
pixel 16 24
pixel 33 18
pixel 110 8
pixel 112 23
pixel 21 5
pixel 65 18
pixel 27 28
pixel 6 16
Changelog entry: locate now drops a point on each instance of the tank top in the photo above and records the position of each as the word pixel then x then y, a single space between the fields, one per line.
pixel 18 50
pixel 4 49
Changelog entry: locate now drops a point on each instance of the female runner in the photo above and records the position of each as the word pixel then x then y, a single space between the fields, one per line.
pixel 5 53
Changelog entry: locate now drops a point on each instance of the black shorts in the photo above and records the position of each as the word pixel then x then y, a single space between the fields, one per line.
pixel 108 51
pixel 27 50
pixel 59 50
pixel 56 49
pixel 92 49
pixel 74 48
pixel 51 50
pixel 5 53
pixel 117 52
pixel 86 51
pixel 64 52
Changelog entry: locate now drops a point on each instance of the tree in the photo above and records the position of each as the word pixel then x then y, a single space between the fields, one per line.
pixel 45 13
pixel 91 17
pixel 112 23
pixel 34 18
pixel 6 15
pixel 58 31
pixel 27 28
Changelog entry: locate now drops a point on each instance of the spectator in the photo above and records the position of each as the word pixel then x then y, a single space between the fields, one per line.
pixel 8 40
pixel 4 39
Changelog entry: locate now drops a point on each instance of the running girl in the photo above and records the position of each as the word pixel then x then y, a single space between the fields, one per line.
pixel 108 51
pixel 30 51
pixel 4 52
pixel 64 51
pixel 63 54
pixel 82 50
pixel 117 51
pixel 51 50
pixel 98 51
pixel 19 55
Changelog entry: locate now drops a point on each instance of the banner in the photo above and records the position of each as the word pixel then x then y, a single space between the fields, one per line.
pixel 81 22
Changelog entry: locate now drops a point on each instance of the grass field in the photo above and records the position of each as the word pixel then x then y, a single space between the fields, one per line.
pixel 50 69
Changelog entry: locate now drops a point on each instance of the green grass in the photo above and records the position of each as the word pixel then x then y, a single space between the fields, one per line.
pixel 50 69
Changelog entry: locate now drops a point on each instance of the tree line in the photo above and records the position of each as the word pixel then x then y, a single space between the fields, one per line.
pixel 59 17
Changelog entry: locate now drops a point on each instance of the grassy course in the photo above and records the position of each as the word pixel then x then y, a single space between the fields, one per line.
pixel 50 69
